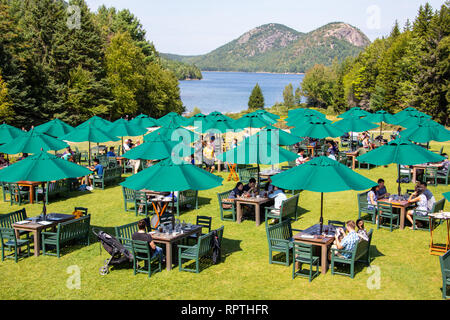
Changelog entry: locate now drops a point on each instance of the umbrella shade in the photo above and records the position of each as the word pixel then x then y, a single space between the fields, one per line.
pixel 447 196
pixel 8 133
pixel 283 139
pixel 322 174
pixel 91 133
pixel 166 176
pixel 167 132
pixel 96 122
pixel 143 121
pixel 257 150
pixel 380 116
pixel 55 128
pixel 253 121
pixel 399 151
pixel 156 148
pixel 218 116
pixel 302 111
pixel 415 120
pixel 266 113
pixel 123 128
pixel 42 167
pixel 409 112
pixel 219 125
pixel 355 112
pixel 317 130
pixel 352 124
pixel 33 142
pixel 427 131
pixel 197 120
pixel 173 118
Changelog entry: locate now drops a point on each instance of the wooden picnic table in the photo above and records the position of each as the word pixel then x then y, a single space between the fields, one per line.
pixel 269 174
pixel 31 185
pixel 402 205
pixel 423 166
pixel 257 202
pixel 353 155
pixel 37 228
pixel 321 241
pixel 169 240
pixel 434 248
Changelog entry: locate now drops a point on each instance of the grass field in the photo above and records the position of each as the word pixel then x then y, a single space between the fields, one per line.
pixel 401 261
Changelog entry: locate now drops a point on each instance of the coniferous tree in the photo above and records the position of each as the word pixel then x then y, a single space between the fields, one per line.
pixel 288 96
pixel 256 100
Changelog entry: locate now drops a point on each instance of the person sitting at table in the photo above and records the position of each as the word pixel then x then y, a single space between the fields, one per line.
pixel 362 233
pixel 372 198
pixel 444 164
pixel 24 156
pixel 142 235
pixel 68 154
pixel 332 148
pixel 279 196
pixel 127 145
pixel 111 152
pixel 250 187
pixel 269 186
pixel 238 191
pixel 422 206
pixel 430 197
pixel 3 161
pixel 349 241
pixel 98 173
pixel 382 192
pixel 331 156
pixel 301 158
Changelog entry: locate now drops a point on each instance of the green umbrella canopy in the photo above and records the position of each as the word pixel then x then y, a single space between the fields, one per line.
pixel 303 111
pixel 8 133
pixel 258 150
pixel 42 167
pixel 173 118
pixel 408 112
pixel 144 121
pixel 427 131
pixel 55 128
pixel 266 113
pixel 282 137
pixel 352 124
pixel 447 196
pixel 355 112
pixel 322 174
pixel 317 130
pixel 380 116
pixel 216 115
pixel 123 128
pixel 96 121
pixel 158 147
pixel 91 133
pixel 415 120
pixel 300 121
pixel 197 120
pixel 172 130
pixel 33 142
pixel 219 126
pixel 166 176
pixel 253 121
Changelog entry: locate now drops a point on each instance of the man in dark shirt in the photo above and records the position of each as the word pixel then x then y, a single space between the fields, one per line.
pixel 381 192
pixel 142 235
pixel 250 186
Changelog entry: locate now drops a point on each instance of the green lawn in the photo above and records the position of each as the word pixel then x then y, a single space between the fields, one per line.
pixel 407 270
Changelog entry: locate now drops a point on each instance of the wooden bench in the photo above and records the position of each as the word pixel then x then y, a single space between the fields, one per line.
pixel 246 174
pixel 279 237
pixel 73 230
pixel 186 197
pixel 360 253
pixel 437 207
pixel 288 209
pixel 125 232
pixel 226 207
pixel 196 252
pixel 445 270
pixel 8 219
pixel 52 189
pixel 110 175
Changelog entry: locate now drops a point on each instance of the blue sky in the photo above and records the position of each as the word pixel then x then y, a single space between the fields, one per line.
pixel 199 26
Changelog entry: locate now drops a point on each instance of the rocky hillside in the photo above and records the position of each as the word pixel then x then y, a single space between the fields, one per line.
pixel 277 48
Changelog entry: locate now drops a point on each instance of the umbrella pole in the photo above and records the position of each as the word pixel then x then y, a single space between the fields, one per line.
pixel 44 207
pixel 89 153
pixel 321 212
pixel 259 180
pixel 399 186
pixel 381 129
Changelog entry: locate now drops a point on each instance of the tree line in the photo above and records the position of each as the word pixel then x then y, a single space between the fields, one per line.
pixel 60 60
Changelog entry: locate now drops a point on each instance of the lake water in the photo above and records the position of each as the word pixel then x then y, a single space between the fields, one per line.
pixel 229 91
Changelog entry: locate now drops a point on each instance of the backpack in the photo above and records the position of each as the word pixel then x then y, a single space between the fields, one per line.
pixel 216 248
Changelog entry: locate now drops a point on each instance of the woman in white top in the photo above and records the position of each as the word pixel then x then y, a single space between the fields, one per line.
pixel 422 205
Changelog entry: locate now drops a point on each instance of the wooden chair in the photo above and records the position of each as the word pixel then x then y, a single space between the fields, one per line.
pixel 365 208
pixel 11 243
pixel 419 215
pixel 445 270
pixel 303 254
pixel 279 237
pixel 226 207
pixel 128 197
pixel 385 211
pixel 141 252
pixel 18 196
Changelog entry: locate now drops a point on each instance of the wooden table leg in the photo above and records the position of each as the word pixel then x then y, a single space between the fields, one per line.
pixel 414 175
pixel 353 162
pixel 37 243
pixel 168 256
pixel 324 258
pixel 239 212
pixel 402 217
pixel 257 214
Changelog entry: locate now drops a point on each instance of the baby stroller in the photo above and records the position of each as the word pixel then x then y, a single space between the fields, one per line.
pixel 117 251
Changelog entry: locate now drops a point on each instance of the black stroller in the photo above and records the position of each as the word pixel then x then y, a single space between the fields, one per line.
pixel 113 246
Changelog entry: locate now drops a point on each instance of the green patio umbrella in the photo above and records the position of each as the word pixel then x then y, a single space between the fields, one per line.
pixel 156 148
pixel 355 112
pixel 143 121
pixel 55 128
pixel 168 130
pixel 253 121
pixel 317 129
pixel 447 196
pixel 218 116
pixel 33 142
pixel 173 118
pixel 380 117
pixel 304 116
pixel 8 133
pixel 266 113
pixel 354 124
pixel 196 120
pixel 415 120
pixel 408 112
pixel 90 133
pixel 96 121
pixel 123 128
pixel 427 131
pixel 402 152
pixel 304 111
pixel 323 175
pixel 42 167
pixel 219 125
pixel 283 138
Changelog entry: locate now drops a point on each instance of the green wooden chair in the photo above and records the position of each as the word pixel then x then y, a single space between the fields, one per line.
pixel 445 269
pixel 18 196
pixel 288 210
pixel 142 205
pixel 128 197
pixel 430 174
pixel 82 209
pixel 385 211
pixel 365 209
pixel 246 174
pixel 125 232
pixel 303 254
pixel 226 208
pixel 205 223
pixel 5 192
pixel 418 215
pixel 405 172
pixel 442 175
pixel 336 224
pixel 141 252
pixel 279 237
pixel 10 243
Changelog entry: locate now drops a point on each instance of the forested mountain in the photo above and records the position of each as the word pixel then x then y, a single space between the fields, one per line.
pixel 277 48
